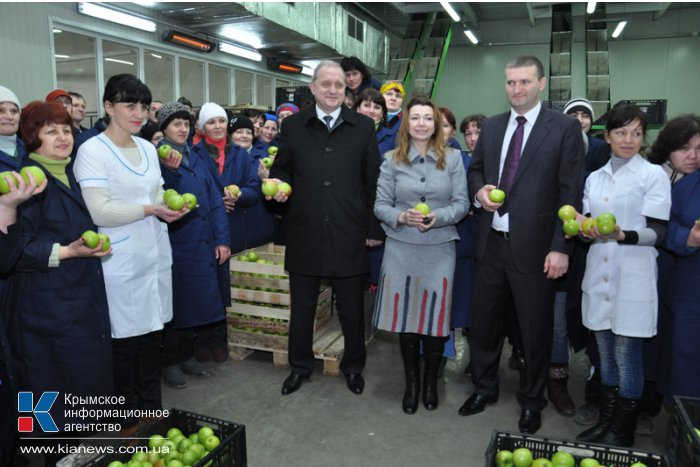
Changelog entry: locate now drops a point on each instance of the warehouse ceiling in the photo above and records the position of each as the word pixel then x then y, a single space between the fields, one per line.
pixel 233 22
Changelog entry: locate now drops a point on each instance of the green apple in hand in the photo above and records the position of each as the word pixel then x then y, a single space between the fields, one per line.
pixel 106 242
pixel 272 150
pixel 164 150
pixel 571 228
pixel 167 194
pixel 91 238
pixel 4 185
pixel 175 202
pixel 269 187
pixel 37 173
pixel 422 208
pixel 233 190
pixel 586 225
pixel 497 195
pixel 190 200
pixel 267 162
pixel 567 212
pixel 285 188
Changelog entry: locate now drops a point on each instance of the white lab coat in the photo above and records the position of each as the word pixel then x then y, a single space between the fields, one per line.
pixel 619 286
pixel 138 272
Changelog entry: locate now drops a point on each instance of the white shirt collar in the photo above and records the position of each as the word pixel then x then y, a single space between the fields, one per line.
pixel 530 115
pixel 320 114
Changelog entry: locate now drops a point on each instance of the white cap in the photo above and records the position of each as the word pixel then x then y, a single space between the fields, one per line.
pixel 579 103
pixel 8 96
pixel 209 111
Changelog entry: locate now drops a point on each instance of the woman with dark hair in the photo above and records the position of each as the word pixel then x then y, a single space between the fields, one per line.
pixel 419 260
pixel 449 127
pixel 56 307
pixel 121 182
pixel 357 77
pixel 619 286
pixel 470 127
pixel 151 132
pixel 371 103
pixel 677 148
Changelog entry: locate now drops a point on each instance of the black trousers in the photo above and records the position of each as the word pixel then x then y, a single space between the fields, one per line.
pixel 498 282
pixel 212 336
pixel 177 345
pixel 136 362
pixel 349 296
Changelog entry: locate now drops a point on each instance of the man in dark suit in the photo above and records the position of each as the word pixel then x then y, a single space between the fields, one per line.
pixel 329 155
pixel 536 157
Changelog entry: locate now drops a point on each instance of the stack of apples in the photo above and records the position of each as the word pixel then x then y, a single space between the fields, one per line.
pixel 92 239
pixel 37 173
pixel 174 450
pixel 522 457
pixel 571 226
pixel 270 187
pixel 175 201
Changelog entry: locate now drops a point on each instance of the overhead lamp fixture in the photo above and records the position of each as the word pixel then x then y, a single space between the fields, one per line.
pixel 284 67
pixel 156 55
pixel 618 29
pixel 471 36
pixel 307 71
pixel 190 42
pixel 116 60
pixel 61 56
pixel 239 51
pixel 57 31
pixel 107 14
pixel 450 11
pixel 590 7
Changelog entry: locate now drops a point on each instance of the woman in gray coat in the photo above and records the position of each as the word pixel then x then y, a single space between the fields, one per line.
pixel 415 284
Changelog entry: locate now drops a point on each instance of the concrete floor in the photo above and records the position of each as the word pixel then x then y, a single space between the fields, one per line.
pixel 324 424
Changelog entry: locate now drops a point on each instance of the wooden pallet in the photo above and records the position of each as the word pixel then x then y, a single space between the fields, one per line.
pixel 328 346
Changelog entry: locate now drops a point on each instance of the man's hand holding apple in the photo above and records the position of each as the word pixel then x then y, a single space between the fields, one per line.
pixel 482 196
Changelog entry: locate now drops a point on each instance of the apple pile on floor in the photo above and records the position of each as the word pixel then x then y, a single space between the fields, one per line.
pixel 522 457
pixel 174 450
pixel 175 201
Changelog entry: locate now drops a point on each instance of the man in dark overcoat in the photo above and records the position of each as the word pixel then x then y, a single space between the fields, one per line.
pixel 329 155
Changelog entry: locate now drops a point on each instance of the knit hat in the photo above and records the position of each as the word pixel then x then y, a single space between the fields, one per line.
pixel 209 111
pixel 55 94
pixel 8 96
pixel 238 122
pixel 389 85
pixel 272 117
pixel 286 106
pixel 148 130
pixel 579 104
pixel 169 112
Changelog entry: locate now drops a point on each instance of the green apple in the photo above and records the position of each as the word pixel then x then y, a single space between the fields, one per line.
pixel 172 455
pixel 166 196
pixel 156 441
pixel 267 162
pixel 233 190
pixel 190 200
pixel 269 187
pixel 504 458
pixel 541 462
pixel 522 457
pixel 563 459
pixel 189 457
pixel 605 227
pixel 285 188
pixel 272 150
pixel 243 258
pixel 211 442
pixel 37 173
pixel 115 464
pixel 567 212
pixel 607 217
pixel 586 225
pixel 183 445
pixel 175 463
pixel 571 228
pixel 589 462
pixel 90 238
pixel 175 202
pixel 422 208
pixel 497 195
pixel 638 464
pixel 198 448
pixel 106 242
pixel 164 150
pixel 4 185
pixel 252 256
pixel 697 430
pixel 140 456
pixel 193 438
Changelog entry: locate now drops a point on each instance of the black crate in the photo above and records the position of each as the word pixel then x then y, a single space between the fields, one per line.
pixel 682 441
pixel 297 95
pixel 542 446
pixel 230 452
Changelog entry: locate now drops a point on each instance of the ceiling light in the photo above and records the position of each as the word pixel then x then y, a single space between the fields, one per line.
pixel 307 71
pixel 590 7
pixel 451 11
pixel 116 60
pixel 61 56
pixel 156 56
pixel 114 16
pixel 472 37
pixel 618 30
pixel 57 31
pixel 239 51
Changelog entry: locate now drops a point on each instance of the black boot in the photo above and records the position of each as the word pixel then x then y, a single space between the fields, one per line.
pixel 410 353
pixel 624 422
pixel 433 348
pixel 608 394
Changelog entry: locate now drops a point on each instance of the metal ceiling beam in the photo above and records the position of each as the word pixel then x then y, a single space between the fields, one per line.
pixel 469 12
pixel 663 7
pixel 530 14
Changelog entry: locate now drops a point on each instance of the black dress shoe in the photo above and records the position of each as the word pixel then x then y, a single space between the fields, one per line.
pixel 477 403
pixel 530 421
pixel 355 382
pixel 292 383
